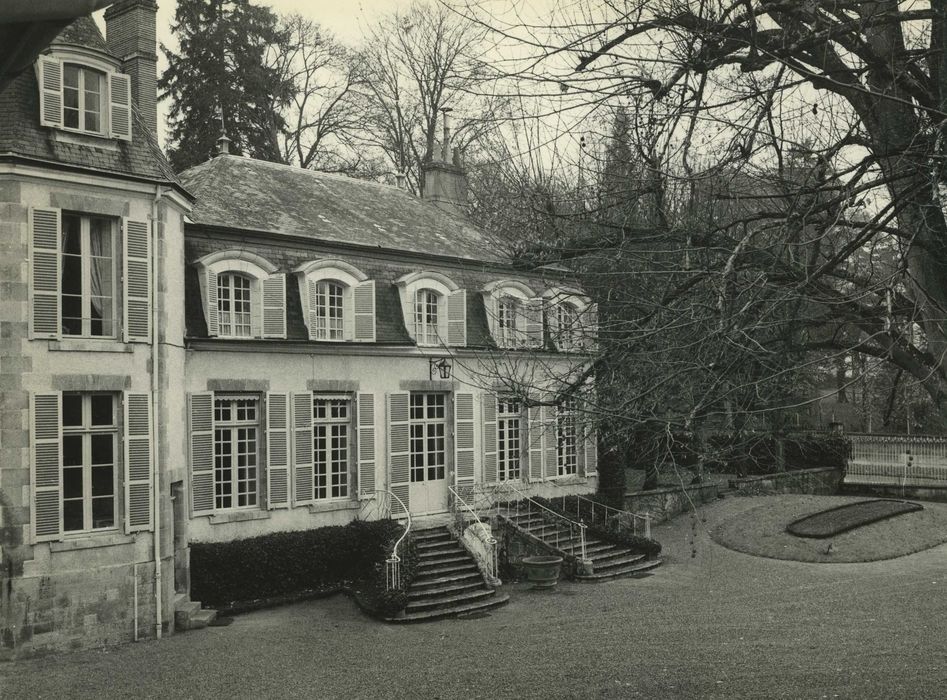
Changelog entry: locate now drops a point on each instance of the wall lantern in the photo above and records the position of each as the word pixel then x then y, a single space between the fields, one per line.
pixel 439 366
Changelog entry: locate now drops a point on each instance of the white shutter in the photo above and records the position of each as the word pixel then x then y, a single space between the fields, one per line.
pixel 489 438
pixel 533 322
pixel 366 445
pixel 120 106
pixel 274 306
pixel 311 314
pixel 399 449
pixel 137 296
pixel 139 462
pixel 302 449
pixel 277 450
pixel 590 449
pixel 49 77
pixel 550 443
pixel 363 297
pixel 457 318
pixel 200 414
pixel 535 443
pixel 589 327
pixel 45 275
pixel 211 313
pixel 463 439
pixel 46 466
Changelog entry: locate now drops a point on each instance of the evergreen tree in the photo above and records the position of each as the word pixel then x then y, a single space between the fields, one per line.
pixel 221 68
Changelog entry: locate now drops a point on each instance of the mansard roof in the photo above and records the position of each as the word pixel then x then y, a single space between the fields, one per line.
pixel 244 194
pixel 22 136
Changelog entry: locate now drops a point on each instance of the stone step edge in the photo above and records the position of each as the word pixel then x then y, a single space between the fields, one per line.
pixel 437 601
pixel 494 601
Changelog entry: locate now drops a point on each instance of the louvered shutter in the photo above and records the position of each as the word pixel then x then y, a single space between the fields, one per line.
pixel 45 275
pixel 302 449
pixel 366 445
pixel 46 466
pixel 457 318
pixel 211 312
pixel 120 106
pixel 399 449
pixel 551 312
pixel 274 306
pixel 364 308
pixel 50 87
pixel 463 439
pixel 277 450
pixel 311 316
pixel 489 411
pixel 589 327
pixel 491 304
pixel 137 249
pixel 535 443
pixel 139 462
pixel 591 450
pixel 533 322
pixel 550 443
pixel 201 451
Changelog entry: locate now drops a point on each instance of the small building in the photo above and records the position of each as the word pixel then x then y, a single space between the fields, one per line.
pixel 242 349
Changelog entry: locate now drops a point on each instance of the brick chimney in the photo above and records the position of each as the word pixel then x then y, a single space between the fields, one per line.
pixel 445 181
pixel 130 35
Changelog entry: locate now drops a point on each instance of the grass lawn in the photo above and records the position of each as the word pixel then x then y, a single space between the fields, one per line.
pixel 762 531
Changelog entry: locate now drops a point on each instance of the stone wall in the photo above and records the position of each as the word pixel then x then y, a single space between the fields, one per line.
pixel 514 544
pixel 664 504
pixel 819 482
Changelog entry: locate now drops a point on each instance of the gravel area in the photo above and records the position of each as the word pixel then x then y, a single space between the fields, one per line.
pixel 710 623
pixel 762 531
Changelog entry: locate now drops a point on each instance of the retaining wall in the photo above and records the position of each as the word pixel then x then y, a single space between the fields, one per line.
pixel 823 481
pixel 665 503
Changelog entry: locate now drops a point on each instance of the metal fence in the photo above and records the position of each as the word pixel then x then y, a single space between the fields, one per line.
pixel 897 460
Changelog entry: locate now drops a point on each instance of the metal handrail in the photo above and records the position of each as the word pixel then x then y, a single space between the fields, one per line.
pixel 635 517
pixel 393 562
pixel 572 524
pixel 486 535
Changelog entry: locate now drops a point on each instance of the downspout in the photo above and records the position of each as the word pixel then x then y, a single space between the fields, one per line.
pixel 155 388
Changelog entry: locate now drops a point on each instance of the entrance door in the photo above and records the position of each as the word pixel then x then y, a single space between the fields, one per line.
pixel 428 486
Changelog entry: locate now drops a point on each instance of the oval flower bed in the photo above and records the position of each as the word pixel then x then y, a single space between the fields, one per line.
pixel 835 521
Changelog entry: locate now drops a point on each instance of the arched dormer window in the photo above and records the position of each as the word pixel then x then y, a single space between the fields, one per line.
pixel 570 318
pixel 338 301
pixel 514 314
pixel 82 90
pixel 244 296
pixel 435 309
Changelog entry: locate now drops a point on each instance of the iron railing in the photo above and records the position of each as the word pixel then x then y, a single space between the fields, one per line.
pixel 463 514
pixel 380 507
pixel 561 524
pixel 599 512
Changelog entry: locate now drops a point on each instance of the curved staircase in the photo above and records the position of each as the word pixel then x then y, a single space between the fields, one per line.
pixel 448 582
pixel 609 561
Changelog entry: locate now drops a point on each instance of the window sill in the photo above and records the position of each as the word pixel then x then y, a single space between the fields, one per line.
pixel 91 542
pixel 569 479
pixel 238 516
pixel 85 138
pixel 330 506
pixel 88 345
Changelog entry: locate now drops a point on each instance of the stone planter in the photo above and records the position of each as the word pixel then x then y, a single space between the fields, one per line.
pixel 543 572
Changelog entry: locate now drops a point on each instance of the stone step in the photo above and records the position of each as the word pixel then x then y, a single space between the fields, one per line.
pixel 437 533
pixel 435 571
pixel 445 588
pixel 483 605
pixel 434 581
pixel 621 572
pixel 431 544
pixel 449 601
pixel 202 618
pixel 618 559
pixel 440 559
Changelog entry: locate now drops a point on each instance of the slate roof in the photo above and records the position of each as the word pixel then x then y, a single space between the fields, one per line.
pixel 242 193
pixel 22 135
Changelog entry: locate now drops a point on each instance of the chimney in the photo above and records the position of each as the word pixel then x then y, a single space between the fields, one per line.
pixel 445 182
pixel 130 35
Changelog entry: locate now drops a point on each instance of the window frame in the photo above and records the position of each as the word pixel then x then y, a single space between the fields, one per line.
pixel 350 441
pixel 87 430
pixel 323 307
pixel 85 257
pixel 232 276
pixel 556 301
pixel 425 333
pixel 335 271
pixel 245 263
pixel 232 425
pixel 83 70
pixel 518 295
pixel 567 437
pixel 425 422
pixel 443 287
pixel 504 456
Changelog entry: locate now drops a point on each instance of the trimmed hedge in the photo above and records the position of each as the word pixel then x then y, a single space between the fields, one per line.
pixel 372 594
pixel 288 563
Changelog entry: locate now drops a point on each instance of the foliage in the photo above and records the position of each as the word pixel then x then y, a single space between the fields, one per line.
pixel 757 454
pixel 285 563
pixel 372 594
pixel 220 68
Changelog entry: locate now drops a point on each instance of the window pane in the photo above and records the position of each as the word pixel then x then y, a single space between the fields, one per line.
pixel 102 449
pixel 71 409
pixel 71 238
pixel 72 515
pixel 103 512
pixel 102 409
pixel 72 482
pixel 103 481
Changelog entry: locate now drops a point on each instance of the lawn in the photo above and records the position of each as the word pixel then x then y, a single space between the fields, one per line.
pixel 761 530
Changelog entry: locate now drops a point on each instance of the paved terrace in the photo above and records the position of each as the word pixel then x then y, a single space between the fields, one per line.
pixel 719 624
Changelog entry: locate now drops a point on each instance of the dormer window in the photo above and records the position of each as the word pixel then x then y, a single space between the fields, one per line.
pixel 83 93
pixel 328 314
pixel 435 309
pixel 514 313
pixel 244 295
pixel 338 301
pixel 426 317
pixel 566 325
pixel 234 305
pixel 571 319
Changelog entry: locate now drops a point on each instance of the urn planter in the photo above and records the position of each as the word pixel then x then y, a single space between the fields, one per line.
pixel 542 571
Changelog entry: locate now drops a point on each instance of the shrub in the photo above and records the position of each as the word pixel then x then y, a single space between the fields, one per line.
pixel 753 454
pixel 288 563
pixel 372 593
